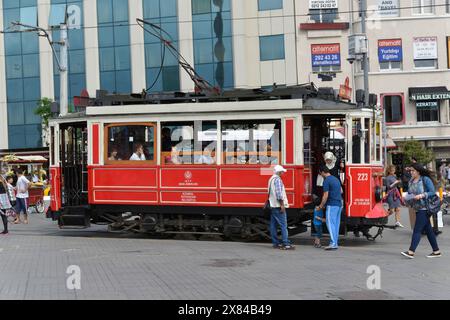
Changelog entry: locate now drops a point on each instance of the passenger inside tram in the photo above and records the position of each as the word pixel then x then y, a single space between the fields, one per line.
pixel 138 153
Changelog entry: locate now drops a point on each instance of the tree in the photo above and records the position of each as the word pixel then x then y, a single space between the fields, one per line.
pixel 413 148
pixel 43 109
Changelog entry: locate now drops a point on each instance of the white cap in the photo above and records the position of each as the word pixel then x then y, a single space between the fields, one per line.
pixel 279 168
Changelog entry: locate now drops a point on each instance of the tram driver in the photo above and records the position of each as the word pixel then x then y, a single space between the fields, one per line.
pixel 138 152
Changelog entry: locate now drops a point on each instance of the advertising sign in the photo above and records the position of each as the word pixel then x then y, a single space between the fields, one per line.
pixel 323 4
pixel 388 8
pixel 425 48
pixel 326 54
pixel 390 50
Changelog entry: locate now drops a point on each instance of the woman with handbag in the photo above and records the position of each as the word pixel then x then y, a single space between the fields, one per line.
pixel 420 190
pixel 4 204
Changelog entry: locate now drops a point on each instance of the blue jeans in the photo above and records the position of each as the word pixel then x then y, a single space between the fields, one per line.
pixel 333 217
pixel 423 224
pixel 278 218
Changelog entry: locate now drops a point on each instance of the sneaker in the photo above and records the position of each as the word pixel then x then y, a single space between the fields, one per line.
pixel 4 233
pixel 398 224
pixel 329 248
pixel 277 246
pixel 434 255
pixel 407 254
pixel 288 247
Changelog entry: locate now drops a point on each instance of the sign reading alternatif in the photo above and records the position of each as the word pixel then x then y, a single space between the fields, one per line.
pixel 388 8
pixel 323 4
pixel 390 50
pixel 326 54
pixel 425 48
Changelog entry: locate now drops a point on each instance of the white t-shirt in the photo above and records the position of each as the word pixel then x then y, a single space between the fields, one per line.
pixel 22 187
pixel 136 157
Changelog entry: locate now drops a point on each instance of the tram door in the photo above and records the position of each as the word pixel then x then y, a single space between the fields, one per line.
pixel 73 158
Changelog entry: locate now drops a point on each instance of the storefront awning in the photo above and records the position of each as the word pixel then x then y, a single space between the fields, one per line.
pixel 429 93
pixel 390 144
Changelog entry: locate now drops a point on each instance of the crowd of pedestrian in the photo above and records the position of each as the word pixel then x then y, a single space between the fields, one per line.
pixel 416 181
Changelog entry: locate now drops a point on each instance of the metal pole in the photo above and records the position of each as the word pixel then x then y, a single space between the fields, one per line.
pixel 384 138
pixel 365 55
pixel 63 83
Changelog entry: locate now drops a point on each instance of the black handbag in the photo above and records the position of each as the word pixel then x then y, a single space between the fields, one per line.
pixel 433 203
pixel 267 210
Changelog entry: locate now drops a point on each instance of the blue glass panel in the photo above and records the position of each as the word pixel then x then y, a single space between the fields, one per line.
pixel 57 86
pixel 107 59
pixel 201 6
pixel 105 37
pixel 120 12
pixel 151 74
pixel 270 4
pixel 16 137
pixel 59 1
pixel 122 58
pixel 121 36
pixel 12 43
pixel 123 81
pixel 170 59
pixel 223 50
pixel 171 78
pixel 168 8
pixel 8 4
pixel 202 29
pixel 31 65
pixel 76 61
pixel 108 81
pixel 28 3
pixel 220 5
pixel 104 11
pixel 203 51
pixel 77 83
pixel 33 136
pixel 151 9
pixel 28 16
pixel 171 30
pixel 153 55
pixel 30 116
pixel 57 14
pixel 14 89
pixel 32 89
pixel 271 47
pixel 228 75
pixel 30 43
pixel 11 15
pixel 15 113
pixel 14 67
pixel 206 71
pixel 76 39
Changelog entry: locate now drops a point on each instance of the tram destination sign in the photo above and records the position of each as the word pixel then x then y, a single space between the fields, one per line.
pixel 430 96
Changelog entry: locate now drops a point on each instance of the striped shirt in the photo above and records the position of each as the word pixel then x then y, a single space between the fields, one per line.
pixel 278 188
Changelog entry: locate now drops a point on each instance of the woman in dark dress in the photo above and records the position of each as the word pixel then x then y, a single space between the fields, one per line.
pixel 393 195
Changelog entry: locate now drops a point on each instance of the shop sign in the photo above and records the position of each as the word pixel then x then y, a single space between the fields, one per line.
pixel 425 48
pixel 326 54
pixel 426 104
pixel 390 50
pixel 388 8
pixel 323 4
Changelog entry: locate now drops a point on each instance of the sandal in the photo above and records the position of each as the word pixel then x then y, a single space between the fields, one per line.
pixel 317 245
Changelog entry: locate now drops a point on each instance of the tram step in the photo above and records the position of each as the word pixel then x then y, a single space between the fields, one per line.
pixel 74 218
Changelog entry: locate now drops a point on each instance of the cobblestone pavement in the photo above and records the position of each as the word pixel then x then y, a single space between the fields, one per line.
pixel 34 259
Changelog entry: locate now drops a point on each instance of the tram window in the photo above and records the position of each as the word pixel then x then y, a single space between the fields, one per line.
pixel 190 142
pixel 378 141
pixel 251 142
pixel 130 142
pixel 367 141
pixel 356 139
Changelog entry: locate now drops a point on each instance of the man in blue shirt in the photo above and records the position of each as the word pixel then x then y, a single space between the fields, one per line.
pixel 332 201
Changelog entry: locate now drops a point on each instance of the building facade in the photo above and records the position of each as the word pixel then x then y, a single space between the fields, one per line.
pixel 232 44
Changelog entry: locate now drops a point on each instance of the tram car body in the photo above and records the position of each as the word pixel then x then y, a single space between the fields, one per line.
pixel 207 164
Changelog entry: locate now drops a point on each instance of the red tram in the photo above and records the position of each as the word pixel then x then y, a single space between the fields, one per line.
pixel 196 165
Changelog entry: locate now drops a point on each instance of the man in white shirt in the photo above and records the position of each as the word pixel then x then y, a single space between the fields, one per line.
pixel 138 153
pixel 22 186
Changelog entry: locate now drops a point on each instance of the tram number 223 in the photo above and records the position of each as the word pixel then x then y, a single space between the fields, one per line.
pixel 363 176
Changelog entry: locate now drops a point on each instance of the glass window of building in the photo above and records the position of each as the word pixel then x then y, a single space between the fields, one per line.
pixel 423 6
pixel 323 15
pixel 271 47
pixel 213 49
pixel 162 69
pixel 425 63
pixel 76 52
pixel 447 7
pixel 427 111
pixel 270 5
pixel 114 46
pixel 393 107
pixel 391 66
pixel 22 76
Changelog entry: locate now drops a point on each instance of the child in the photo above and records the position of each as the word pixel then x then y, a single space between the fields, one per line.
pixel 12 194
pixel 318 220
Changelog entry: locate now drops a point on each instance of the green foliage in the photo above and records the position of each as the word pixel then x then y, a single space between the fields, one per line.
pixel 43 110
pixel 414 148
